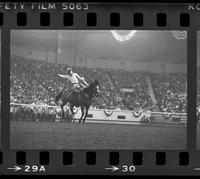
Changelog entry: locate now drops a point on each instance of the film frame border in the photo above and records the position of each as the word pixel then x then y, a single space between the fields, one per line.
pixel 10 23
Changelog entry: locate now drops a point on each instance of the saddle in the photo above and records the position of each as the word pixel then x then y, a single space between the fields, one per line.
pixel 67 92
pixel 80 90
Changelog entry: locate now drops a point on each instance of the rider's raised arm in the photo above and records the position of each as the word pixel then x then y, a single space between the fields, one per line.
pixel 63 76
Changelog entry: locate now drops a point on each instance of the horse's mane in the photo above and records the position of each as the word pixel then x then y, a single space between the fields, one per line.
pixel 91 85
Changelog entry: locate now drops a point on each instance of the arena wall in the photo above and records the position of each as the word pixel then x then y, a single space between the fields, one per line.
pixel 120 116
pixel 130 116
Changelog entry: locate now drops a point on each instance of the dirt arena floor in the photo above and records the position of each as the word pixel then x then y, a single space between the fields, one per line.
pixel 56 135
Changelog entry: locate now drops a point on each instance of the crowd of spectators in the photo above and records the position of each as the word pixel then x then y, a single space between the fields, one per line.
pixel 36 81
pixel 139 97
pixel 171 91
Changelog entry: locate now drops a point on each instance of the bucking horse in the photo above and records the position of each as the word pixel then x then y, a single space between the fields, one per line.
pixel 78 98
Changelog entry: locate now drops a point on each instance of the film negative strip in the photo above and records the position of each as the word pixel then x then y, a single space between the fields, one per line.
pixel 100 88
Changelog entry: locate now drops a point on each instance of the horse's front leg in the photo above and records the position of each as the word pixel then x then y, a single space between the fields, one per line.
pixel 72 109
pixel 86 113
pixel 82 113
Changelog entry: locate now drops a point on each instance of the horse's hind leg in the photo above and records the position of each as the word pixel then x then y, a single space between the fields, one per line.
pixel 82 111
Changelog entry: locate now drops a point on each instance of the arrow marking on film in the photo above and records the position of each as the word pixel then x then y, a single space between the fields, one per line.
pixel 113 168
pixel 16 168
pixel 196 169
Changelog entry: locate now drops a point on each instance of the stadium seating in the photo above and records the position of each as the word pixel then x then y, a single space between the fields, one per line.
pixel 34 81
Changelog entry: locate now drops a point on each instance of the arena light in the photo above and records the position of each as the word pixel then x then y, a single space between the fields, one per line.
pixel 179 34
pixel 123 35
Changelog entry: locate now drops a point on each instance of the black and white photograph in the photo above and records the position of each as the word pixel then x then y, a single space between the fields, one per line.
pixel 98 89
